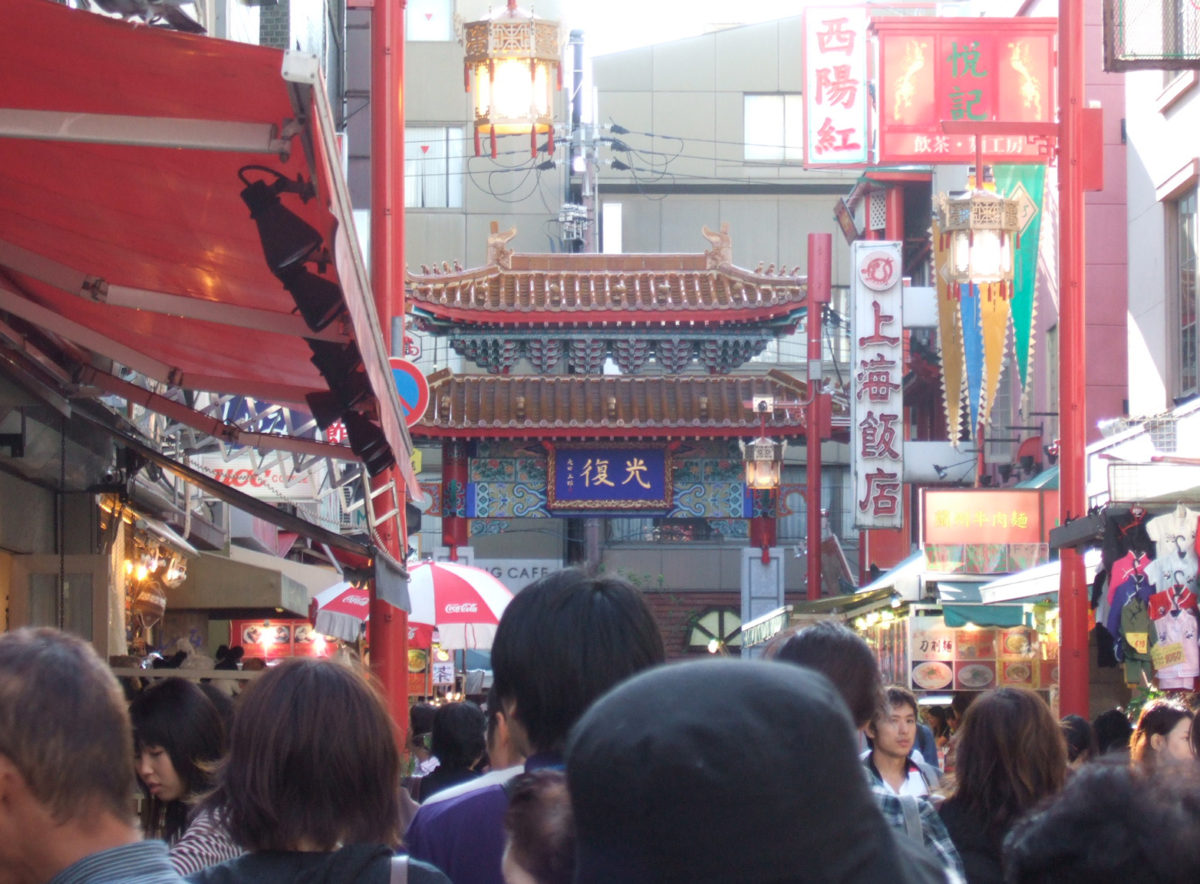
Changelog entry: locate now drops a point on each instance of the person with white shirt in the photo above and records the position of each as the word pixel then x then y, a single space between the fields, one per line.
pixel 891 736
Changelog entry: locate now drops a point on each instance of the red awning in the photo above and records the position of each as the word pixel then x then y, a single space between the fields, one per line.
pixel 123 234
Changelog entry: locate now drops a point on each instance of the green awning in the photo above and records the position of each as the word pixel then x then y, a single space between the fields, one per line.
pixel 847 606
pixel 983 615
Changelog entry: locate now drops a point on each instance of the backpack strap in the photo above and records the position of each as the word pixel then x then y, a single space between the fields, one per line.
pixel 912 818
pixel 399 866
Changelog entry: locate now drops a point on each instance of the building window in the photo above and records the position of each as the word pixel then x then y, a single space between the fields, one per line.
pixel 429 21
pixel 434 167
pixel 774 128
pixel 1181 277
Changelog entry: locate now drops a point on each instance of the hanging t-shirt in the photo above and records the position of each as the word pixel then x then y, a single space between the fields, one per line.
pixel 1176 598
pixel 1138 637
pixel 1131 561
pixel 1178 627
pixel 1140 583
pixel 1174 536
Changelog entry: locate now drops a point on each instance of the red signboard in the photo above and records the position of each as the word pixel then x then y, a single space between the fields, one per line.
pixel 976 517
pixel 935 70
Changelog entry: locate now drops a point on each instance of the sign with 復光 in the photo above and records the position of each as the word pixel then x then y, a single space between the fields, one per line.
pixel 616 477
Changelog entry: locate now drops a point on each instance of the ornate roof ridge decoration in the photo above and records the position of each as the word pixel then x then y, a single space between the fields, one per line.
pixel 613 406
pixel 582 288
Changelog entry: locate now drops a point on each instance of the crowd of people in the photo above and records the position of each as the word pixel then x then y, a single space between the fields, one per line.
pixel 591 761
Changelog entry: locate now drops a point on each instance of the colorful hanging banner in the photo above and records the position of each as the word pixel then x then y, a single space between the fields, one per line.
pixel 1026 184
pixel 950 337
pixel 993 327
pixel 968 297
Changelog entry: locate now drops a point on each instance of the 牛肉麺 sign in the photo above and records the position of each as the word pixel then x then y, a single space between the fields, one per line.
pixel 1014 516
pixel 935 70
pixel 619 477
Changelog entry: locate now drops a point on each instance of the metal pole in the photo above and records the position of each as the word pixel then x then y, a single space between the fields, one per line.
pixel 389 624
pixel 1072 596
pixel 820 269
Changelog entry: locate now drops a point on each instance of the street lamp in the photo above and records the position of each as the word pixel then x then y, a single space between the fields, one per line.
pixel 764 463
pixel 512 65
pixel 979 229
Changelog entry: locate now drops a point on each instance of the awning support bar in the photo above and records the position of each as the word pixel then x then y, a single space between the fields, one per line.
pixel 220 135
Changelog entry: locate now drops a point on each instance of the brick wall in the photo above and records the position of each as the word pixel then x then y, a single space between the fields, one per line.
pixel 274 28
pixel 673 611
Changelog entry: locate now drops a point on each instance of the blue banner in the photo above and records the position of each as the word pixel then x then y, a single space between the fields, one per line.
pixel 617 477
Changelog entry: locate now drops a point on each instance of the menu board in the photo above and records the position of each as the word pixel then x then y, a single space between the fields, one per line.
pixel 945 658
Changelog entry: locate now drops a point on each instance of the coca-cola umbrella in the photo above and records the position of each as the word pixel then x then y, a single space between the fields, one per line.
pixel 462 603
pixel 340 611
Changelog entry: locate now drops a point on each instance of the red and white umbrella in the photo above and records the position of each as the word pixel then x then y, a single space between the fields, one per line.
pixel 340 611
pixel 463 603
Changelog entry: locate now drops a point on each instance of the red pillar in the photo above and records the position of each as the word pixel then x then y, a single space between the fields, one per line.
pixel 894 222
pixel 389 624
pixel 1072 594
pixel 455 524
pixel 820 269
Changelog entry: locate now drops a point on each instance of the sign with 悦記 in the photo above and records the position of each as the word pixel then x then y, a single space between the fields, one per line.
pixel 935 70
pixel 835 86
pixel 616 477
pixel 877 422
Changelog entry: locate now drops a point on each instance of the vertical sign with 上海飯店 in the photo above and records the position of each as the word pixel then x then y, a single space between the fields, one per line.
pixel 877 420
pixel 835 86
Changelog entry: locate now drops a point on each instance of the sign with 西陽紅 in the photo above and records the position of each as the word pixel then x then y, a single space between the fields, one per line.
pixel 616 477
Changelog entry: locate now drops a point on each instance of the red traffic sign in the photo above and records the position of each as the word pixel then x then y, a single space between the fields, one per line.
pixel 412 388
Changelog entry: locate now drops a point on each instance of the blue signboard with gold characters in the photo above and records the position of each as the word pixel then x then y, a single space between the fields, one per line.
pixel 617 477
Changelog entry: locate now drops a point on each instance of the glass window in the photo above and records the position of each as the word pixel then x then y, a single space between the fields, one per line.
pixel 433 167
pixel 1183 278
pixel 774 128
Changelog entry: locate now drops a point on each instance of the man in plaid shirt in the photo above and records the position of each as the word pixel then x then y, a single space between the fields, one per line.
pixel 847 661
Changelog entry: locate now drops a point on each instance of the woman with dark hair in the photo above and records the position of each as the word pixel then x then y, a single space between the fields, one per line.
pixel 1011 755
pixel 459 742
pixel 1081 740
pixel 178 735
pixel 311 783
pixel 1163 734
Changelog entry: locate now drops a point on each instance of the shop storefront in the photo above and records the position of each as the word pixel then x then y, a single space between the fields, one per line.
pixel 945 633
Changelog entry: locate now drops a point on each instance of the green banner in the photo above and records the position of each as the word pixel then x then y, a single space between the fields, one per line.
pixel 1025 183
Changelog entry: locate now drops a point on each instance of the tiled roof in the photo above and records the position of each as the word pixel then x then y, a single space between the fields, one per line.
pixel 580 289
pixel 609 406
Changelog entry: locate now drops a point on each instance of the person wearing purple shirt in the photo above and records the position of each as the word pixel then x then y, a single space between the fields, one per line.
pixel 562 642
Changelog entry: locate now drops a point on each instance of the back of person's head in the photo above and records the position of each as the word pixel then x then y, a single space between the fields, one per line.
pixel 420 725
pixel 1157 719
pixel 176 715
pixel 540 828
pixel 1112 824
pixel 843 657
pixel 1011 755
pixel 458 735
pixel 312 759
pixel 1081 738
pixel 724 770
pixel 1113 731
pixel 64 725
pixel 563 641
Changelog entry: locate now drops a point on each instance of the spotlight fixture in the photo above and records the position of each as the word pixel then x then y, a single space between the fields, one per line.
pixel 1005 470
pixel 339 365
pixel 318 300
pixel 1051 452
pixel 368 442
pixel 287 239
pixel 1027 462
